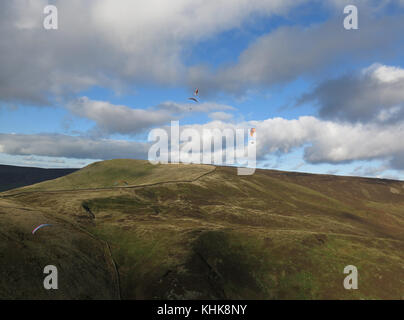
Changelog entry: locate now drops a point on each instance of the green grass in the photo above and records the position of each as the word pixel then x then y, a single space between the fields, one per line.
pixel 121 203
pixel 234 263
pixel 141 261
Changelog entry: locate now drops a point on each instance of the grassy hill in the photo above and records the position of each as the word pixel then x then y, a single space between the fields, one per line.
pixel 138 231
pixel 122 173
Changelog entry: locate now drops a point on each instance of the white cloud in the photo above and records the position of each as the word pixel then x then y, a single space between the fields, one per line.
pixel 120 44
pixel 327 141
pixel 109 43
pixel 117 119
pixel 110 118
pixel 382 73
pixel 292 51
pixel 55 145
pixel 323 141
pixel 374 94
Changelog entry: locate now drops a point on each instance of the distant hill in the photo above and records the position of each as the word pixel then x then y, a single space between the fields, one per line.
pixel 122 173
pixel 12 177
pixel 128 229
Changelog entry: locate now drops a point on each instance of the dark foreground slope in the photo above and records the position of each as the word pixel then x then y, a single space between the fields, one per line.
pixel 200 232
pixel 15 177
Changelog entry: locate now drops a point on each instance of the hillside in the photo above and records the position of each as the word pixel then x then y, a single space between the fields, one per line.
pixel 15 177
pixel 202 232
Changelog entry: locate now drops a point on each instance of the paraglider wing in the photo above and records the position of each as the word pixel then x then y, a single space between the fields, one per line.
pixel 40 226
pixel 193 99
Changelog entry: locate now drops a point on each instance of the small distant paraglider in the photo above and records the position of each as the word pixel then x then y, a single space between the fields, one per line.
pixel 196 95
pixel 252 132
pixel 40 226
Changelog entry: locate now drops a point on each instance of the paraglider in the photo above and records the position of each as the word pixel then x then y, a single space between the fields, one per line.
pixel 40 226
pixel 196 93
pixel 252 132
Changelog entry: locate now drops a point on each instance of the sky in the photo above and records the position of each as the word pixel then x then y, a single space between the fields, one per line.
pixel 323 99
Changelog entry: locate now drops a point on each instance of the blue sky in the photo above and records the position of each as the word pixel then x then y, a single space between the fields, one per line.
pixel 323 99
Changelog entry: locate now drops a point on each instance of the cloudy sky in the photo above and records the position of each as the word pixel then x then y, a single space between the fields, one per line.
pixel 322 98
